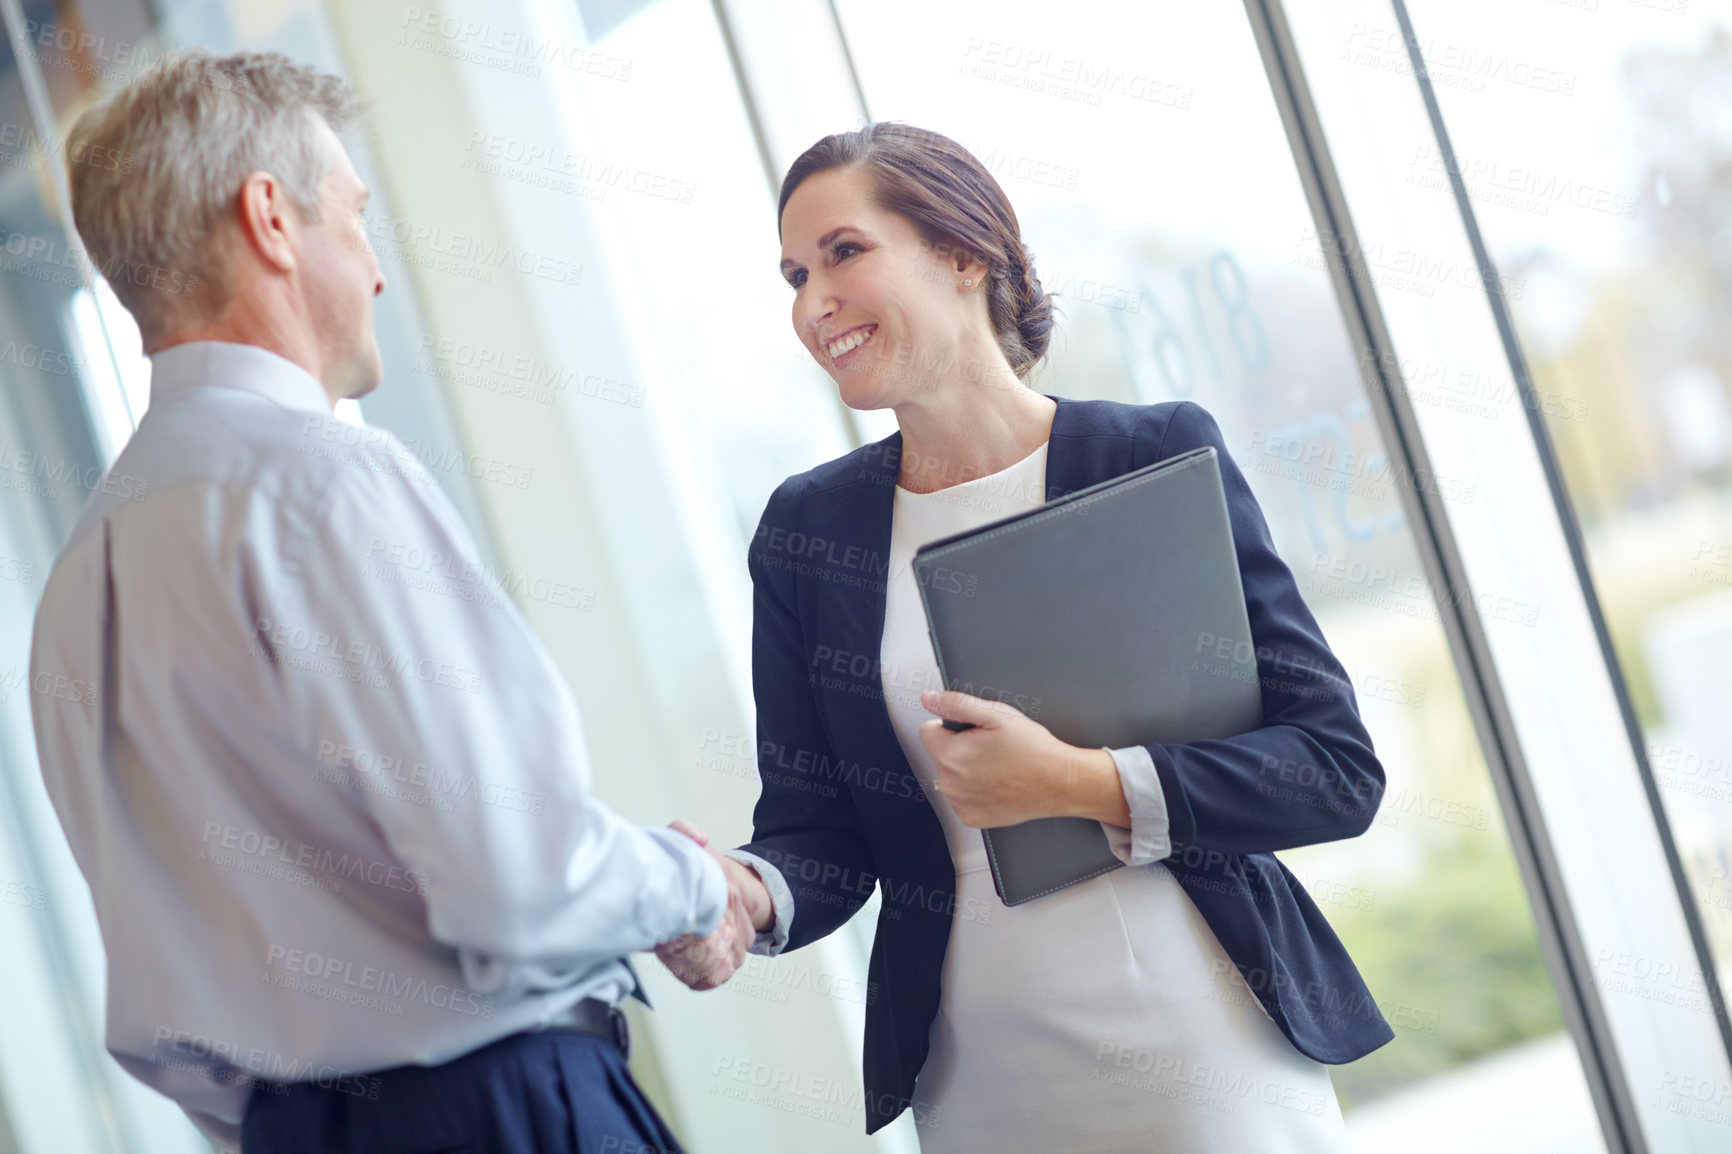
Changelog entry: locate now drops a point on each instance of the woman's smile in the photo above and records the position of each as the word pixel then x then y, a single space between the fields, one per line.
pixel 840 348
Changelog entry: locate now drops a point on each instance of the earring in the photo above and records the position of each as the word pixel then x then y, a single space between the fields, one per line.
pixel 968 283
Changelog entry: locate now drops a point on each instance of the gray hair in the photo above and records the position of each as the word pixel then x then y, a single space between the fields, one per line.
pixel 155 168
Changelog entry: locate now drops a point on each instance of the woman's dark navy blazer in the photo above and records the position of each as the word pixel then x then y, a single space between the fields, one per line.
pixel 841 812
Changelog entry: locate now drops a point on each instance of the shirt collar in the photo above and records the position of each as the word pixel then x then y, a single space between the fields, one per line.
pixel 249 368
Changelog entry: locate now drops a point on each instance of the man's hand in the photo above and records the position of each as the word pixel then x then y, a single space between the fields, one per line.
pixel 703 963
pixel 1009 768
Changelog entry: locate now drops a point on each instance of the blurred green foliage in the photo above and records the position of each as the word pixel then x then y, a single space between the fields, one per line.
pixel 1452 959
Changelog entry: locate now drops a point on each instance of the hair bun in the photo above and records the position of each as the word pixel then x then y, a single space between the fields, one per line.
pixel 1034 311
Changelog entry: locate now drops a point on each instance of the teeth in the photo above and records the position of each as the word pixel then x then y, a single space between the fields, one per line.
pixel 849 343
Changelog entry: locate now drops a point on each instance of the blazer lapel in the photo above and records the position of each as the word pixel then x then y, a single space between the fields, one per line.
pixel 854 520
pixel 850 546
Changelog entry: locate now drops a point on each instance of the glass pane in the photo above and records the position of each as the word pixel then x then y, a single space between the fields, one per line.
pixel 62 417
pixel 759 406
pixel 1601 187
pixel 1625 935
pixel 1190 269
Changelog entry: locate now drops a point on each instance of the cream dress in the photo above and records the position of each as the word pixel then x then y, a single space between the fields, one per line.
pixel 1105 1017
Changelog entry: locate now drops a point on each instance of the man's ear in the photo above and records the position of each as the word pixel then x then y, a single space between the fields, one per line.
pixel 268 223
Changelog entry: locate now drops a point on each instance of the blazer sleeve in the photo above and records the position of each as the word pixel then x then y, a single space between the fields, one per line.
pixel 1309 774
pixel 805 823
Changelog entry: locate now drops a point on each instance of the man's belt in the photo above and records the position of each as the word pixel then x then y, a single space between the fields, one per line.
pixel 596 1018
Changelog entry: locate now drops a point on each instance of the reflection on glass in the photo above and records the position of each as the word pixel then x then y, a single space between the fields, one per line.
pixel 1157 189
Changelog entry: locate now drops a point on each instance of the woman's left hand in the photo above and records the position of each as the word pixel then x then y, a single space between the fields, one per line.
pixel 1010 769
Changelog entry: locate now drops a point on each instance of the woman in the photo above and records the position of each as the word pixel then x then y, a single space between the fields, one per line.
pixel 1182 1004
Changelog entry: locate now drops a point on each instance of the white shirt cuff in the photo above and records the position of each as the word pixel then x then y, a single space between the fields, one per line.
pixel 707 904
pixel 1148 838
pixel 774 940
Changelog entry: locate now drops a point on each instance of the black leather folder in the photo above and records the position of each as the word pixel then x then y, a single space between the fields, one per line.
pixel 1113 616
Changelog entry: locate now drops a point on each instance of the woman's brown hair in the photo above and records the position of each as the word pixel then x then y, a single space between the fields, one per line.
pixel 957 206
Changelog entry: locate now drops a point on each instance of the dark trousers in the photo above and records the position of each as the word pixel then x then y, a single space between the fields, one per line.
pixel 547 1092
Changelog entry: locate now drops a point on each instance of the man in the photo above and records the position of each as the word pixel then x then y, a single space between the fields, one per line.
pixel 352 887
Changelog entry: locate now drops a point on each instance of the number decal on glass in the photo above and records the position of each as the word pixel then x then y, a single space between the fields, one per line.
pixel 1160 354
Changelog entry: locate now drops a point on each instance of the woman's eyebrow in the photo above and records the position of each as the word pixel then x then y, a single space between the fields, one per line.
pixel 823 242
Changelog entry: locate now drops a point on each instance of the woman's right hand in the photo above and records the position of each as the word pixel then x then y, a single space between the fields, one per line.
pixel 757 895
pixel 707 962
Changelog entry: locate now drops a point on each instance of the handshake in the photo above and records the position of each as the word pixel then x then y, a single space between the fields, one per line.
pixel 703 963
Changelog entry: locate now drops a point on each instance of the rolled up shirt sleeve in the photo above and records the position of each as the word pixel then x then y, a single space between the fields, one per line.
pixel 1148 840
pixel 774 940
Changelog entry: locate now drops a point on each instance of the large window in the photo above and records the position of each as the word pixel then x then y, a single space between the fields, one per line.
pixel 1604 196
pixel 1428 123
